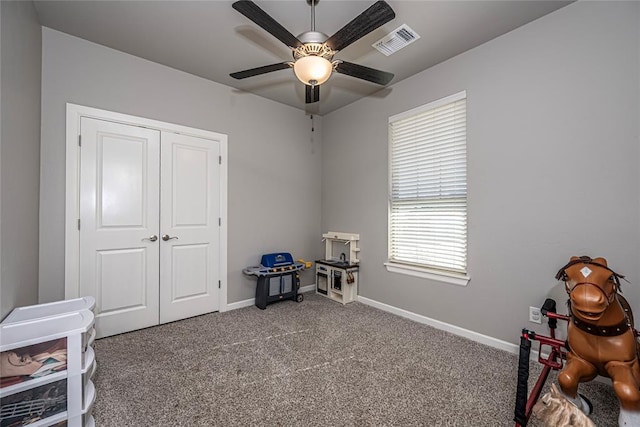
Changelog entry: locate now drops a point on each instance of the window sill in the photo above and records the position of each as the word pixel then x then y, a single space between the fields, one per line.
pixel 427 273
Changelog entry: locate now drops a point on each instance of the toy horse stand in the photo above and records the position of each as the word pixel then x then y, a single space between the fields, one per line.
pixel 600 335
pixel 601 340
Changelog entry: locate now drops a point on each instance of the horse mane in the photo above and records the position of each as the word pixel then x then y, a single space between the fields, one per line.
pixel 554 410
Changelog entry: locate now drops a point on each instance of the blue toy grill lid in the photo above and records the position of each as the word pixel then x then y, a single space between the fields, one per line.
pixel 276 259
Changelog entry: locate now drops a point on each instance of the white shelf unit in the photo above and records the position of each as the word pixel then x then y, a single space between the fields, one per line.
pixel 348 239
pixel 20 314
pixel 65 396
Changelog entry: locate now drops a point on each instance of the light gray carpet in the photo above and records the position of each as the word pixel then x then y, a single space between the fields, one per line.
pixel 315 363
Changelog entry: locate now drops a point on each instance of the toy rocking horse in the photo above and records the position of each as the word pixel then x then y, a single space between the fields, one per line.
pixel 600 335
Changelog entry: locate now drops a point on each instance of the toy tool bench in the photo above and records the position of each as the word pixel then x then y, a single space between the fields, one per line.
pixel 278 279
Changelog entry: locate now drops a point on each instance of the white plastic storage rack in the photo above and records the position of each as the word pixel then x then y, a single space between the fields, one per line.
pixel 59 398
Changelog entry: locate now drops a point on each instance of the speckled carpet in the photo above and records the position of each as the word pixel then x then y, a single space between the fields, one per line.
pixel 315 363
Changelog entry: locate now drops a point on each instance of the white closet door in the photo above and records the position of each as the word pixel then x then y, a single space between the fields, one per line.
pixel 119 190
pixel 190 242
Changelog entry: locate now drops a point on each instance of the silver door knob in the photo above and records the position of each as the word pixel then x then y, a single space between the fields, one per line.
pixel 166 237
pixel 151 238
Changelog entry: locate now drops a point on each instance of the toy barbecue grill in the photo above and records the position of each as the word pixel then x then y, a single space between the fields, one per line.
pixel 278 279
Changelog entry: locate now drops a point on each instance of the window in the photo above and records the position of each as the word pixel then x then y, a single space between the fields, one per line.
pixel 428 191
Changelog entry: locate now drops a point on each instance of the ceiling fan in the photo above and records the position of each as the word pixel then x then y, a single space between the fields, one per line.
pixel 313 51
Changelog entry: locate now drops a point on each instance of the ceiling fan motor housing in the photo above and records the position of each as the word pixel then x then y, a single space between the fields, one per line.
pixel 313 49
pixel 313 44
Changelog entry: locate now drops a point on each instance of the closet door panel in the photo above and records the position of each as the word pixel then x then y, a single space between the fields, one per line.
pixel 119 188
pixel 190 210
pixel 190 273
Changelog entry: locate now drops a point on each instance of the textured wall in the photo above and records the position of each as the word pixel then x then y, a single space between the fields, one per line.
pixel 274 161
pixel 553 112
pixel 20 56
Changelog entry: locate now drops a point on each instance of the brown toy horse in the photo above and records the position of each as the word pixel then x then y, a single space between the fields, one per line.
pixel 600 335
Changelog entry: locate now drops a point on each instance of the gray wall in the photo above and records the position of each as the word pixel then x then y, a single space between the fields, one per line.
pixel 20 56
pixel 553 123
pixel 274 161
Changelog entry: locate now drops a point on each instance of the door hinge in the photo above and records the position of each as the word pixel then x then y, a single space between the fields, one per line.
pixel 219 160
pixel 219 221
pixel 78 223
pixel 219 284
pixel 79 140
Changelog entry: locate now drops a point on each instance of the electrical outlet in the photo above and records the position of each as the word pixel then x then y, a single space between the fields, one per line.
pixel 534 315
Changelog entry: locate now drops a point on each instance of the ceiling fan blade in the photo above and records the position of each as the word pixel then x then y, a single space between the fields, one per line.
pixel 378 14
pixel 364 73
pixel 311 94
pixel 262 18
pixel 260 70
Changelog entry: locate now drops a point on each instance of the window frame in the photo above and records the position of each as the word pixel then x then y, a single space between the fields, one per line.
pixel 423 271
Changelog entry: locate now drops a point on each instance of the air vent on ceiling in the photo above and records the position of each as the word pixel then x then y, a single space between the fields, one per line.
pixel 396 40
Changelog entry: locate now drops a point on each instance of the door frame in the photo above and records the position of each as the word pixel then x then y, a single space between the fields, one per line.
pixel 72 204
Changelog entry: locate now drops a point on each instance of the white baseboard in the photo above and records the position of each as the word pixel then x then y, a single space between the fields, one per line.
pixel 307 288
pixel 241 304
pixel 456 330
pixel 251 301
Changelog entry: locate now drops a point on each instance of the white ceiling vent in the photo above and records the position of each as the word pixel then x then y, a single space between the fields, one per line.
pixel 396 40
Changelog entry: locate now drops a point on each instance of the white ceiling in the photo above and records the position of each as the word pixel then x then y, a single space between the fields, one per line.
pixel 210 39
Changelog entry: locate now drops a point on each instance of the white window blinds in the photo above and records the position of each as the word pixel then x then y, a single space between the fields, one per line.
pixel 428 186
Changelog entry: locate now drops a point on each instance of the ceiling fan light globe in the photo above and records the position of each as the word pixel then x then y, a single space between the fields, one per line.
pixel 311 68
